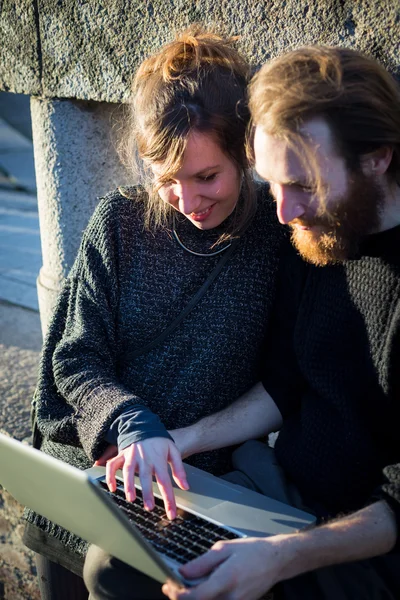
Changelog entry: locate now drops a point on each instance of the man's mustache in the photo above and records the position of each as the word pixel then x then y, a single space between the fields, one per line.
pixel 327 220
pixel 306 222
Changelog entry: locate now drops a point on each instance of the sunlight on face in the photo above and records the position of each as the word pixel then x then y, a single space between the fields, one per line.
pixel 322 233
pixel 207 186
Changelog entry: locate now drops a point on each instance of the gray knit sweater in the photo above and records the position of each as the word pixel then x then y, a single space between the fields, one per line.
pixel 126 286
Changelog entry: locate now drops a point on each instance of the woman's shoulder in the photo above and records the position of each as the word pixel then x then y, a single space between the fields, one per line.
pixel 120 206
pixel 124 199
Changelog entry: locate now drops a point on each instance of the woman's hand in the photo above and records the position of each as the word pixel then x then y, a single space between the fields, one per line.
pixel 108 453
pixel 147 458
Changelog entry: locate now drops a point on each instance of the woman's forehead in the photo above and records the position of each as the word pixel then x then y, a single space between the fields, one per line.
pixel 202 153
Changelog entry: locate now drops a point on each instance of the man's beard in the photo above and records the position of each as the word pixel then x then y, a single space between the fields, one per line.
pixel 337 233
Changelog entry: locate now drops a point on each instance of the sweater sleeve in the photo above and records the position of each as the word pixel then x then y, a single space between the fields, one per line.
pixel 84 360
pixel 390 488
pixel 133 425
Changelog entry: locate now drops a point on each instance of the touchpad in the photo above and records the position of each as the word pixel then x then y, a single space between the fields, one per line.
pixel 206 491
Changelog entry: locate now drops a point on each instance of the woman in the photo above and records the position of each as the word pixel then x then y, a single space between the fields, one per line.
pixel 144 256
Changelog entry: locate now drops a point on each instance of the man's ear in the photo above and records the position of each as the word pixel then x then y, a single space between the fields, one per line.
pixel 377 162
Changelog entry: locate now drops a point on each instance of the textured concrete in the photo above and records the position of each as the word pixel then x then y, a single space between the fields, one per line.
pixel 20 343
pixel 20 64
pixel 89 50
pixel 75 163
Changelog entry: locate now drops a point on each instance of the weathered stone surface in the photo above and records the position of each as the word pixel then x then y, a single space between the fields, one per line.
pixel 76 163
pixel 90 50
pixel 19 48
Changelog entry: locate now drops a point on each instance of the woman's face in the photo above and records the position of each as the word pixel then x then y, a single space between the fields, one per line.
pixel 206 188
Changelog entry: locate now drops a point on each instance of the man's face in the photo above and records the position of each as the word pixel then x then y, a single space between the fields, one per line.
pixel 323 232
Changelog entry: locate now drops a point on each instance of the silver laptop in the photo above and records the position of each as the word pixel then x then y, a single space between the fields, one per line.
pixel 79 501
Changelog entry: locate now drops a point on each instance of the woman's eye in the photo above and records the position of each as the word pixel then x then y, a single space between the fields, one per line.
pixel 208 177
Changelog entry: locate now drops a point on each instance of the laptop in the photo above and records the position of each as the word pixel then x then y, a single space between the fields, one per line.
pixel 80 501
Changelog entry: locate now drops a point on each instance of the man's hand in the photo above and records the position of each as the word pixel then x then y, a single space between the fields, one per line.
pixel 147 458
pixel 245 569
pixel 240 570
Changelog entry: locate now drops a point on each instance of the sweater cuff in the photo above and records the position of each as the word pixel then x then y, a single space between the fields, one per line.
pixel 135 424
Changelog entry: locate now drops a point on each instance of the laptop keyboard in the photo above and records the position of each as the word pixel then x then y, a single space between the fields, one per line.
pixel 183 539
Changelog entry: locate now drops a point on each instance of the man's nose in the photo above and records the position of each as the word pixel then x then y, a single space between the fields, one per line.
pixel 288 204
pixel 188 200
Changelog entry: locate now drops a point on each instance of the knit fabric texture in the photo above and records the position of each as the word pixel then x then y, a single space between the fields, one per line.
pixel 334 372
pixel 126 286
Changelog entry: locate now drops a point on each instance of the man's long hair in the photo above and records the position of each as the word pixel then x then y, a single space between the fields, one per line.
pixel 357 97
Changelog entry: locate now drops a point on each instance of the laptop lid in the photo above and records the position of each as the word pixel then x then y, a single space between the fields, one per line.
pixel 74 500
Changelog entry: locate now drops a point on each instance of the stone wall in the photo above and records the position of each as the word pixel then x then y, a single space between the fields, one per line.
pixel 89 50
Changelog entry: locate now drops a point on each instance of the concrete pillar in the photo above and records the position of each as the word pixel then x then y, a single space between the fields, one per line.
pixel 75 163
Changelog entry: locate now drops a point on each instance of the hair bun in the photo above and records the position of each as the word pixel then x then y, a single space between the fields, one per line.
pixel 192 50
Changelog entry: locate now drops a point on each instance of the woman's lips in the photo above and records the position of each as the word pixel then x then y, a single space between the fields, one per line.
pixel 202 215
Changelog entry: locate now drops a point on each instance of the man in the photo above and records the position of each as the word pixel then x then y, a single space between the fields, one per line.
pixel 327 138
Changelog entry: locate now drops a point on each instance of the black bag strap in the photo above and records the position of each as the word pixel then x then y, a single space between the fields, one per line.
pixel 37 437
pixel 188 308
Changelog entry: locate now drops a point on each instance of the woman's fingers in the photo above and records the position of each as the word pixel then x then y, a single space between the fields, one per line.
pixel 110 452
pixel 112 467
pixel 128 472
pixel 167 491
pixel 177 468
pixel 146 480
pixel 148 458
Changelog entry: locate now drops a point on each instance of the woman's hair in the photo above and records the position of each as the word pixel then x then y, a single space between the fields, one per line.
pixel 356 96
pixel 197 83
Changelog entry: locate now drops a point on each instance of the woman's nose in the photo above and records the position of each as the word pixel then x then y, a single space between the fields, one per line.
pixel 188 199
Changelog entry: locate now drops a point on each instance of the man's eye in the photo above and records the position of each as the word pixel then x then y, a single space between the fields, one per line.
pixel 306 189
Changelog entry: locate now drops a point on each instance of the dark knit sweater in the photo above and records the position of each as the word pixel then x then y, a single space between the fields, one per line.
pixel 334 372
pixel 126 286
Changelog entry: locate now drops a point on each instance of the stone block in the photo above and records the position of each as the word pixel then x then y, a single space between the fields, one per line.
pixel 90 50
pixel 20 64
